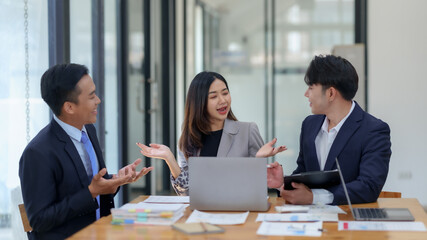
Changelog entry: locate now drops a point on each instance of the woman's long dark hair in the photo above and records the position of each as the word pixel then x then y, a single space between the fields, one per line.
pixel 196 119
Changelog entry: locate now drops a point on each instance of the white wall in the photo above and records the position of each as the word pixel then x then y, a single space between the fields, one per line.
pixel 397 87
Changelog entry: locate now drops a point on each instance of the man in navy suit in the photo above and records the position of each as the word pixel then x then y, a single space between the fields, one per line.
pixel 63 176
pixel 339 129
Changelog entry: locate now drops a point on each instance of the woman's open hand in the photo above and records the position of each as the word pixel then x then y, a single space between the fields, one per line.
pixel 155 151
pixel 268 150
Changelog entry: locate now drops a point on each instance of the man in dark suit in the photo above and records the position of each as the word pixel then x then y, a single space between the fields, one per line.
pixel 339 129
pixel 65 184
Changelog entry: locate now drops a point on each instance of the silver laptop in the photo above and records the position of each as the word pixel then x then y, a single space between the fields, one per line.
pixel 228 183
pixel 375 214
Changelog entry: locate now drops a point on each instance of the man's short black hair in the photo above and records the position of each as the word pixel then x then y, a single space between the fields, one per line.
pixel 58 85
pixel 333 71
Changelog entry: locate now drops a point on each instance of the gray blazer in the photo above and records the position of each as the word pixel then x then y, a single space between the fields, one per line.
pixel 239 139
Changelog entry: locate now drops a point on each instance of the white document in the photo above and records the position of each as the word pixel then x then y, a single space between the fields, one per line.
pixel 297 217
pixel 292 208
pixel 290 229
pixel 155 207
pixel 380 226
pixel 218 218
pixel 314 209
pixel 167 199
pixel 317 209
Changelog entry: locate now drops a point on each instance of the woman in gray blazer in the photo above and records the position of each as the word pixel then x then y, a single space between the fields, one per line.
pixel 210 129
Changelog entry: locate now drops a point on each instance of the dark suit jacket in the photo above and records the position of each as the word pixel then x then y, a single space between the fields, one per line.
pixel 55 184
pixel 363 150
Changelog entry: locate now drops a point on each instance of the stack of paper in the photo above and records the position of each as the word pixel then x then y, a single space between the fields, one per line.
pixel 167 199
pixel 148 213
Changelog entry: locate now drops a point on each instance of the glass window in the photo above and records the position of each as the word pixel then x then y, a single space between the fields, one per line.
pixel 81 33
pixel 235 49
pixel 13 99
pixel 110 100
pixel 135 90
pixel 303 29
pixel 240 47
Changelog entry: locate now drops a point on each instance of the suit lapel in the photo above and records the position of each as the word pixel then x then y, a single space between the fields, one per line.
pixel 347 130
pixel 228 133
pixel 71 150
pixel 313 131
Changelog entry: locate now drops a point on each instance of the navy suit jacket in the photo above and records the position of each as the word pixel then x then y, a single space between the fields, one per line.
pixel 363 149
pixel 55 184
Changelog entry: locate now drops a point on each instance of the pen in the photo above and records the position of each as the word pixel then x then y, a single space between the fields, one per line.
pixel 322 230
pixel 203 226
pixel 269 165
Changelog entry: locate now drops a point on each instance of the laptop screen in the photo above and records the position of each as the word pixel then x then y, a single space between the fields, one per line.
pixel 344 186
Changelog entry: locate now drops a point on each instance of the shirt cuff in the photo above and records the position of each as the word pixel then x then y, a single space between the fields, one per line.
pixel 322 196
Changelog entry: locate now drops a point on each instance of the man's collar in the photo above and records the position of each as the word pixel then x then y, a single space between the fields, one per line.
pixel 325 124
pixel 71 131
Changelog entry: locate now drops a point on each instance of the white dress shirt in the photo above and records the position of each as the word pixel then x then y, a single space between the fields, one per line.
pixel 76 136
pixel 324 140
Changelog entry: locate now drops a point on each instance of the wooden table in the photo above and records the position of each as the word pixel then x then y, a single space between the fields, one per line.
pixel 102 229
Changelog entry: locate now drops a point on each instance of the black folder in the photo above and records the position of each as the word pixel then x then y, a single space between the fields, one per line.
pixel 315 179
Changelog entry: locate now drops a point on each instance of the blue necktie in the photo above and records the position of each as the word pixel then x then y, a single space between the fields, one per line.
pixel 93 167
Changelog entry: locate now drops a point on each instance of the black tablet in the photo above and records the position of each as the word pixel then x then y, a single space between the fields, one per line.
pixel 316 179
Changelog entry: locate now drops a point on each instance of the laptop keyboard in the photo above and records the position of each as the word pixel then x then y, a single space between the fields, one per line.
pixel 371 212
